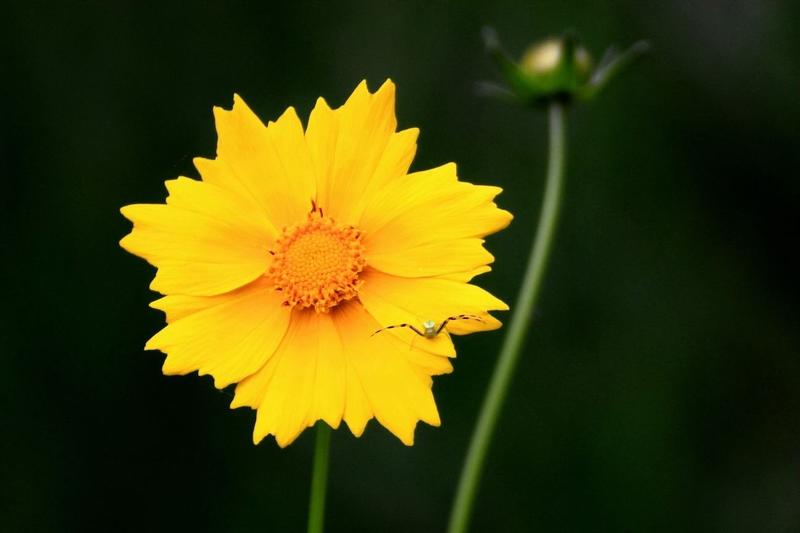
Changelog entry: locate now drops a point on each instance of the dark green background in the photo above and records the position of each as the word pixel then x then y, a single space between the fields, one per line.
pixel 659 389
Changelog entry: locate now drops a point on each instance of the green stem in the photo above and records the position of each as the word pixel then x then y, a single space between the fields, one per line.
pixel 518 327
pixel 319 478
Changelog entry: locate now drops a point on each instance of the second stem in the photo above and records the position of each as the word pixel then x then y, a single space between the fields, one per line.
pixel 518 327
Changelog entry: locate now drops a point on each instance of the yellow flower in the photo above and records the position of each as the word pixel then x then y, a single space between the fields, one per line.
pixel 297 246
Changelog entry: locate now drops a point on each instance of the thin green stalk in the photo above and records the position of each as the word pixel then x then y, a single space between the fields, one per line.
pixel 319 478
pixel 518 327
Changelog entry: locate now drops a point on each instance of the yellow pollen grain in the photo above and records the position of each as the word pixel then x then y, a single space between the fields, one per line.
pixel 317 263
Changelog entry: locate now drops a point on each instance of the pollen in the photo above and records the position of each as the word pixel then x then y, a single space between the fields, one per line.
pixel 317 263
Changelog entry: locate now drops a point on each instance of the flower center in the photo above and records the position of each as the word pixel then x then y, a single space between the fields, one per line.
pixel 316 263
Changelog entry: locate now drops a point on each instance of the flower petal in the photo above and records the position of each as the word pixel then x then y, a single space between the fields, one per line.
pixel 468 275
pixel 427 212
pixel 321 138
pixel 388 313
pixel 217 172
pixel 357 410
pixel 330 379
pixel 177 306
pixel 353 144
pixel 394 164
pixel 430 259
pixel 304 381
pixel 393 382
pixel 394 300
pixel 205 241
pixel 215 202
pixel 272 164
pixel 230 340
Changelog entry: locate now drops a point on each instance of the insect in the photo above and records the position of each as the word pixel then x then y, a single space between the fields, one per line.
pixel 429 327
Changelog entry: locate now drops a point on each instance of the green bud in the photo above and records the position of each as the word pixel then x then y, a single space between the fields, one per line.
pixel 556 68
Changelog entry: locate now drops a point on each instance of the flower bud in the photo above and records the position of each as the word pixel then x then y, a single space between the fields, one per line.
pixel 555 69
pixel 545 57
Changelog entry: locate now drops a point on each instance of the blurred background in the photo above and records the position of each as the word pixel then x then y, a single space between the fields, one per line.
pixel 659 389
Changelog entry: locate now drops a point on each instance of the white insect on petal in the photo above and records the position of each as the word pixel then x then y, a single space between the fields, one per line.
pixel 429 327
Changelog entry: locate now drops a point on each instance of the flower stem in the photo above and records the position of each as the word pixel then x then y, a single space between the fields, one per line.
pixel 518 327
pixel 319 478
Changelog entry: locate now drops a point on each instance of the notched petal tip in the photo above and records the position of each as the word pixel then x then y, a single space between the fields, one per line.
pixel 356 428
pixel 238 404
pixel 288 125
pixel 360 96
pixel 238 100
pixel 411 132
pixel 237 103
pixel 290 113
pixel 387 87
pixel 285 440
pixel 158 304
pixel 124 243
pixel 408 439
pixel 494 323
pixel 169 368
pixel 219 383
pixel 200 163
pixel 155 285
pixel 509 216
pixel 362 85
pixel 437 422
pixel 219 113
pixel 127 211
pixel 322 103
pixel 334 424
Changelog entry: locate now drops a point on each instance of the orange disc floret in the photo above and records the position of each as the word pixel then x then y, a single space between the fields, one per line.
pixel 317 263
